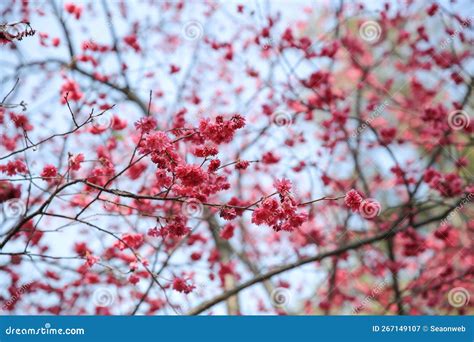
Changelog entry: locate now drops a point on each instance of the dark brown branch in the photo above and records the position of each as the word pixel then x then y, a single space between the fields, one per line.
pixel 351 246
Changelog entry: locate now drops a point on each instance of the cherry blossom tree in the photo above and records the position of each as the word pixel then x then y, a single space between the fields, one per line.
pixel 172 157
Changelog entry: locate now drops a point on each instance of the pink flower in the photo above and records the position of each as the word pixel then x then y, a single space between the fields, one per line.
pixel 242 165
pixel 132 41
pixel 221 131
pixel 283 186
pixel 227 232
pixel 266 212
pixel 214 165
pixel 205 151
pixel 9 191
pixel 75 161
pixel 448 185
pixel 226 269
pixel 387 135
pixel 431 175
pixel 14 167
pixel 130 240
pixel 155 142
pixel 353 200
pixel 21 121
pixel 91 260
pixel 146 124
pixel 176 228
pixel 154 232
pixel 81 248
pixel 174 69
pixel 191 175
pixel 72 90
pixel 180 285
pixel 228 213
pixel 73 9
pixel 234 201
pixel 281 215
pixel 451 185
pixel 118 124
pixel 49 172
pixel 196 256
pixel 136 170
pixel 270 158
pixel 432 9
pixel 134 279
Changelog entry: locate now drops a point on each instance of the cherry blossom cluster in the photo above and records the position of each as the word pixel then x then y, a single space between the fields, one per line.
pixel 181 161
